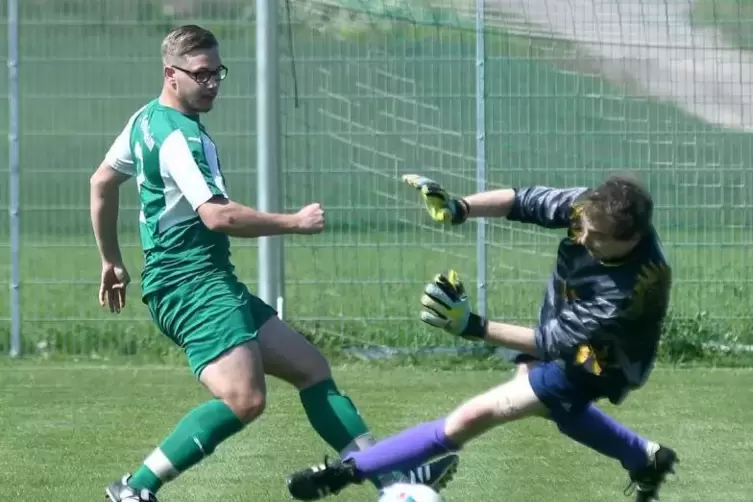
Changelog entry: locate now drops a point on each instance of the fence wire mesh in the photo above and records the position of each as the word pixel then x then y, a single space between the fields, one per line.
pixel 373 90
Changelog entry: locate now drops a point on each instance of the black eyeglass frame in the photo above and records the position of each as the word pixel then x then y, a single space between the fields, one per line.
pixel 203 76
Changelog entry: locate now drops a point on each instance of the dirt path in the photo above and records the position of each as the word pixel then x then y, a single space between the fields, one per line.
pixel 652 47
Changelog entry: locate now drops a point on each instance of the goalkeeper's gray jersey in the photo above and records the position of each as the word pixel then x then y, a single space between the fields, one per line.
pixel 177 169
pixel 603 317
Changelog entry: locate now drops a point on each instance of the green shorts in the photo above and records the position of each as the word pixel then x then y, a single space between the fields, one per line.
pixel 208 316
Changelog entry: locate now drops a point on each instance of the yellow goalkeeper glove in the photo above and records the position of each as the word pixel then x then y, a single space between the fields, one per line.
pixel 440 205
pixel 445 305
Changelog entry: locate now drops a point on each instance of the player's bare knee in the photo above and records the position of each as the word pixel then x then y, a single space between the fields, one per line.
pixel 237 378
pixel 470 419
pixel 246 404
pixel 507 402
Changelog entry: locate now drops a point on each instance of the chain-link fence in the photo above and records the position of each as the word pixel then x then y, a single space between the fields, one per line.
pixel 572 90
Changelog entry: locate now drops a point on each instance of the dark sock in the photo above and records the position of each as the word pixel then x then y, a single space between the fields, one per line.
pixel 602 433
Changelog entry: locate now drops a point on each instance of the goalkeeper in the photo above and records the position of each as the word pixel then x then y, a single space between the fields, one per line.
pixel 596 337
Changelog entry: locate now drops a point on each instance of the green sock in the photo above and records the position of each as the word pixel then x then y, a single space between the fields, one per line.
pixel 195 437
pixel 335 418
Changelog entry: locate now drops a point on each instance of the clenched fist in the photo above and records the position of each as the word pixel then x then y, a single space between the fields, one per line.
pixel 310 219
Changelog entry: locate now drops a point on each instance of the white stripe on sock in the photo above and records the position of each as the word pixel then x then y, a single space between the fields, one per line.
pixel 160 465
pixel 358 444
pixel 651 449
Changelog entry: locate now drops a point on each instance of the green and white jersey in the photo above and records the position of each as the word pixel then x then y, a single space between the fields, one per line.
pixel 177 169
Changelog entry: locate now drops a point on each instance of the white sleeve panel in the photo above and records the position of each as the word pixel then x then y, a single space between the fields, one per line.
pixel 178 161
pixel 119 155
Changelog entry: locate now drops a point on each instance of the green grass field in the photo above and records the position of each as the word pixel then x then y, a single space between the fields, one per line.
pixel 68 430
pixel 370 108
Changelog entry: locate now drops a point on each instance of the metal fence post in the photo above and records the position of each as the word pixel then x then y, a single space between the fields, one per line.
pixel 270 259
pixel 14 181
pixel 480 159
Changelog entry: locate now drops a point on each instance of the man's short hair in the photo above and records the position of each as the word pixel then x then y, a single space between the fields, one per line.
pixel 621 205
pixel 186 39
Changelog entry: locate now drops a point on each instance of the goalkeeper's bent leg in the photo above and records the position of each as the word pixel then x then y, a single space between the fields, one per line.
pixel 600 432
pixel 570 407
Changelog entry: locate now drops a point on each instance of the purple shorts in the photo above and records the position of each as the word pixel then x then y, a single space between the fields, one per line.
pixel 568 390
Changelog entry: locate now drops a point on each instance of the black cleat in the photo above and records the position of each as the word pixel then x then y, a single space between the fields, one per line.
pixel 648 480
pixel 119 491
pixel 322 480
pixel 436 474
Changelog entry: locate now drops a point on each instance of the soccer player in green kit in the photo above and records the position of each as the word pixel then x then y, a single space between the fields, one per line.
pixel 232 339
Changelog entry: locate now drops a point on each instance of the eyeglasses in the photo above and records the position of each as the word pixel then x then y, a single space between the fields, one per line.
pixel 204 76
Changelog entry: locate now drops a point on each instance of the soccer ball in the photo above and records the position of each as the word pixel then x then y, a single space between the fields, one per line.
pixel 405 492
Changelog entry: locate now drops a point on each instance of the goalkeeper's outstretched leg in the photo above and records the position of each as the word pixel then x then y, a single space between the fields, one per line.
pixel 546 391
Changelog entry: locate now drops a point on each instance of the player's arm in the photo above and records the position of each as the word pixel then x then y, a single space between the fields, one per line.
pixel 511 336
pixel 579 325
pixel 104 202
pixel 444 208
pixel 104 196
pixel 445 305
pixel 185 162
pixel 544 206
pixel 491 204
pixel 223 215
